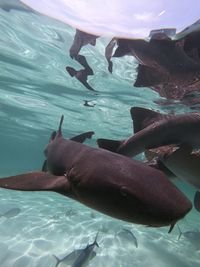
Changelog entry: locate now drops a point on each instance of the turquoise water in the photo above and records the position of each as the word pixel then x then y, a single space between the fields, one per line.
pixel 35 92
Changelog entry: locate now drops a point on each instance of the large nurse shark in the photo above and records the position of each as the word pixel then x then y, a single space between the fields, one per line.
pixel 110 183
pixel 153 129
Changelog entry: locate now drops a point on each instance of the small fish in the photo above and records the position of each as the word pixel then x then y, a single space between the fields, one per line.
pixel 192 236
pixel 11 213
pixel 68 259
pixel 79 257
pixel 86 254
pixel 127 234
pixel 70 212
pixel 88 103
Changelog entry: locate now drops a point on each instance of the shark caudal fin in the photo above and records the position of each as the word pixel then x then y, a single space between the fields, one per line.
pixel 36 181
pixel 111 145
pixel 143 117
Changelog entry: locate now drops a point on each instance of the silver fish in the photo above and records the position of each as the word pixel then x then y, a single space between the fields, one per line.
pixel 11 213
pixel 86 254
pixel 192 236
pixel 128 234
pixel 78 257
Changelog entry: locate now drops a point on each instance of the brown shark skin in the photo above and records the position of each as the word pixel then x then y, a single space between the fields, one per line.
pixel 172 130
pixel 110 183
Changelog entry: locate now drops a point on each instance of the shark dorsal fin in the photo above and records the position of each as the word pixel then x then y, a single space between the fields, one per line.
pixel 143 117
pixel 59 133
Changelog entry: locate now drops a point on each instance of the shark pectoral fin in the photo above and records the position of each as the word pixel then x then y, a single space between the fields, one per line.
pixel 111 145
pixel 36 181
pixel 82 137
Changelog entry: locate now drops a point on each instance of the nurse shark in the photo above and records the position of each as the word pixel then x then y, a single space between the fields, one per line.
pixel 118 186
pixel 153 129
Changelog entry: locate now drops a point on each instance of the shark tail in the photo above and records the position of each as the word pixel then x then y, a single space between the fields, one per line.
pixel 111 145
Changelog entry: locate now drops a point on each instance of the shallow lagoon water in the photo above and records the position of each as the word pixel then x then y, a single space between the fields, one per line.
pixel 35 91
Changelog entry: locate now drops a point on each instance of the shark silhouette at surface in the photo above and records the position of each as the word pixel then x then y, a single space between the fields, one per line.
pixel 169 67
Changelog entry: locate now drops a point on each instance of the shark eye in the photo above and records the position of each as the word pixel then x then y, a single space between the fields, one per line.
pixel 124 191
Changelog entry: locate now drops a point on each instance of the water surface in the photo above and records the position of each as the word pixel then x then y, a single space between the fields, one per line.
pixel 35 91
